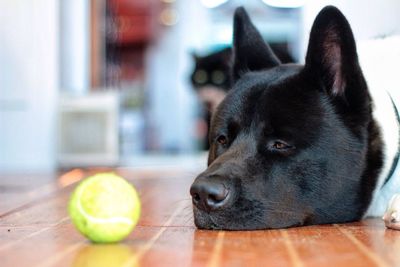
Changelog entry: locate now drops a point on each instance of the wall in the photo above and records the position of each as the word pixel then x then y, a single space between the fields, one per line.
pixel 368 19
pixel 74 46
pixel 172 101
pixel 28 83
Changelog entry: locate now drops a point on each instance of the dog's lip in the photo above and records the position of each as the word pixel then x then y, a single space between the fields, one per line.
pixel 204 220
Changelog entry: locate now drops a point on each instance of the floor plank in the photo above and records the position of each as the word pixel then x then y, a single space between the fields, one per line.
pixel 35 231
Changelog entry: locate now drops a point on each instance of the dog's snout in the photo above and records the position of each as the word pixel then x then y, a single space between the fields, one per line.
pixel 208 194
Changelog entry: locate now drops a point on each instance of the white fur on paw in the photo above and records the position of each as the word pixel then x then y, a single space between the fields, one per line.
pixel 392 214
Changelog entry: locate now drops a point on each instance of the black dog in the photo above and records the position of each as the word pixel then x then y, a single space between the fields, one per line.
pixel 291 145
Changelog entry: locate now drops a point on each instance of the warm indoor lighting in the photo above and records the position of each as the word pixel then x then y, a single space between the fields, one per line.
pixel 284 3
pixel 213 3
pixel 71 177
pixel 169 17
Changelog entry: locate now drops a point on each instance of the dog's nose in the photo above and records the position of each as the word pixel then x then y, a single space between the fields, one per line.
pixel 208 194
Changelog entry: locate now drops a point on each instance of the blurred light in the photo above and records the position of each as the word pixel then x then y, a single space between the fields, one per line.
pixel 168 1
pixel 169 17
pixel 71 177
pixel 284 3
pixel 223 34
pixel 213 3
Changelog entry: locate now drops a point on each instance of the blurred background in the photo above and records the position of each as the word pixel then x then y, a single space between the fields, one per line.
pixel 133 82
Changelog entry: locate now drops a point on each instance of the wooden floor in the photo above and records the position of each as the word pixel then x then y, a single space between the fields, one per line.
pixel 35 231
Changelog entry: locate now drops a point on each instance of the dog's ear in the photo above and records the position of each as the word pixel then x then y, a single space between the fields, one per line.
pixel 331 55
pixel 250 52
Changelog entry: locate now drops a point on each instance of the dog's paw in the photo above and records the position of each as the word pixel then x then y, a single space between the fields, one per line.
pixel 392 214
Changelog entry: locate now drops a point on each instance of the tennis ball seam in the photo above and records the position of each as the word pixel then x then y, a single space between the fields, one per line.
pixel 95 219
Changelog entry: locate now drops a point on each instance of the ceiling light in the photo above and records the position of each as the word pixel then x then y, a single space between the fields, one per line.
pixel 285 3
pixel 212 3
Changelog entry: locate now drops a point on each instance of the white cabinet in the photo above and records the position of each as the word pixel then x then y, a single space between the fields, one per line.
pixel 88 130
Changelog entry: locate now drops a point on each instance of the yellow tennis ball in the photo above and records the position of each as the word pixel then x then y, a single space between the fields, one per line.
pixel 105 208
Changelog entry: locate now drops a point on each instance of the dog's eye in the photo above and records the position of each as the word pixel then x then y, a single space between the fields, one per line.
pixel 222 140
pixel 281 146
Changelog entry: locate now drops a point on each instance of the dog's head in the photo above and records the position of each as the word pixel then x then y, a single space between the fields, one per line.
pixel 290 144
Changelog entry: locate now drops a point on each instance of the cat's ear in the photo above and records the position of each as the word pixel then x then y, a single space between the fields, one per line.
pixel 250 51
pixel 194 56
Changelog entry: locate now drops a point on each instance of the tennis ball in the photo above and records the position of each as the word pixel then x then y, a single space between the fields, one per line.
pixel 105 208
